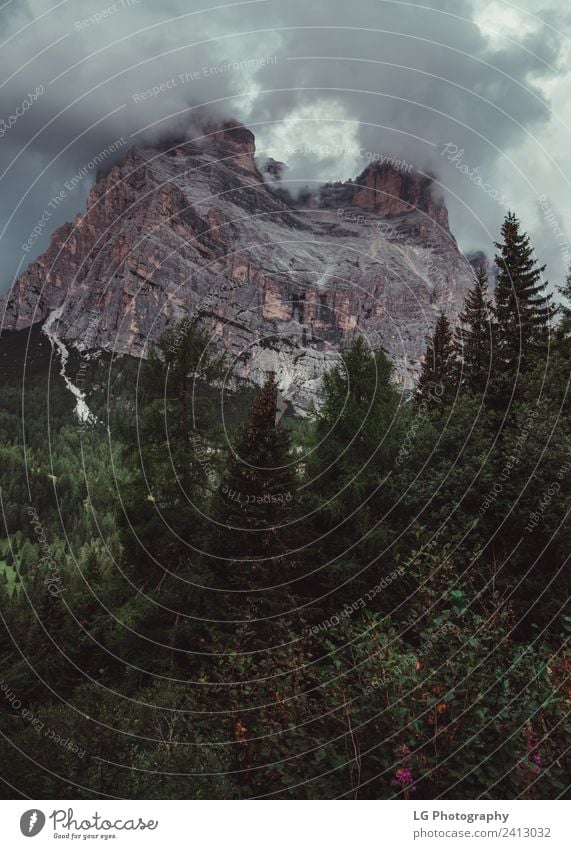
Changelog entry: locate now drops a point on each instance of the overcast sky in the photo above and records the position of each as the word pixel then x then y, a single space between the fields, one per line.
pixel 476 92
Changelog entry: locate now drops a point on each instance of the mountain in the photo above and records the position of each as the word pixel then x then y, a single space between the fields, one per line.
pixel 185 228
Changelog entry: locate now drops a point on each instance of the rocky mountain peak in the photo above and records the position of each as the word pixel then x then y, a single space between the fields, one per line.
pixel 387 190
pixel 232 142
pixel 184 229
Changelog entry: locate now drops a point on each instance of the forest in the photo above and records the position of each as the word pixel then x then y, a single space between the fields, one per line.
pixel 203 598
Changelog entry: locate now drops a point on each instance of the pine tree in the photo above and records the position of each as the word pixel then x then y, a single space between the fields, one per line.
pixel 46 641
pixel 474 337
pixel 355 437
pixel 355 440
pixel 260 474
pixel 523 309
pixel 436 379
pixel 256 498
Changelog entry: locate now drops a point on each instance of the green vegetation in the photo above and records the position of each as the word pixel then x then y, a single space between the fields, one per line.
pixel 218 603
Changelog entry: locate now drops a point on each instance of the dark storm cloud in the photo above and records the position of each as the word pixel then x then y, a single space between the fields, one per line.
pixel 419 79
pixel 409 80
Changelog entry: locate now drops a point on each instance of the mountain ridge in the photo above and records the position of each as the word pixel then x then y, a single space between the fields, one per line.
pixel 193 228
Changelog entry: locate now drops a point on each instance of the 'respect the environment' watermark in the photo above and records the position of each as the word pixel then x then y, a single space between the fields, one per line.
pixel 88 341
pixel 39 726
pixel 105 13
pixel 558 232
pixel 436 391
pixel 94 163
pixel 512 462
pixel 389 231
pixel 204 456
pixel 207 71
pixel 359 604
pixel 57 200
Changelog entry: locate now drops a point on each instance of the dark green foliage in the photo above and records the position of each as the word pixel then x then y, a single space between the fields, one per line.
pixel 317 611
pixel 475 336
pixel 437 376
pixel 167 438
pixel 523 310
pixel 356 437
pixel 253 516
pixel 354 430
pixel 260 479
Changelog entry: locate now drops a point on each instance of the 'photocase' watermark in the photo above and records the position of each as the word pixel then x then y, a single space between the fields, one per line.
pixel 454 155
pixel 53 580
pixel 7 123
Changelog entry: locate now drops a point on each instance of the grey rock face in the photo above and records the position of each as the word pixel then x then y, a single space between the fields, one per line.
pixel 188 230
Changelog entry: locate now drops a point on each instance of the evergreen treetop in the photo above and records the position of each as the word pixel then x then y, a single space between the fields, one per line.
pixel 475 335
pixel 260 478
pixel 523 308
pixel 437 372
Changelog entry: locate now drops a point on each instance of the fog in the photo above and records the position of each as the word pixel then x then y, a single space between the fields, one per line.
pixel 473 92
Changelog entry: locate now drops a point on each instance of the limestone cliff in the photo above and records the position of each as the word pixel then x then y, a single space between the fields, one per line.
pixel 190 229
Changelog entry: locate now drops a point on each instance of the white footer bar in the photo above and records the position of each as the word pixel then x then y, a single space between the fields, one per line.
pixel 285 825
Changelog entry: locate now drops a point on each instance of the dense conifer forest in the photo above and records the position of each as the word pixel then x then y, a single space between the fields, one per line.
pixel 205 598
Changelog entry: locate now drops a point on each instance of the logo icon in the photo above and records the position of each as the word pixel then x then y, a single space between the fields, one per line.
pixel 32 822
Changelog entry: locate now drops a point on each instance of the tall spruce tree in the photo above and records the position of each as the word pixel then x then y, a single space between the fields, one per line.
pixel 437 375
pixel 474 337
pixel 260 476
pixel 523 308
pixel 354 430
pixel 256 498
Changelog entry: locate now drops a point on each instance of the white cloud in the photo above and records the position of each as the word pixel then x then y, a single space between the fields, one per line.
pixel 499 21
pixel 318 142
